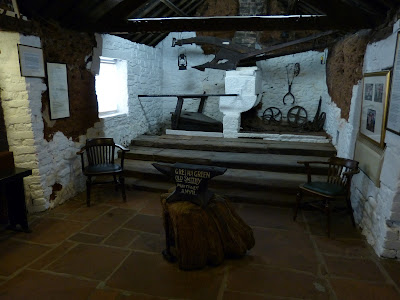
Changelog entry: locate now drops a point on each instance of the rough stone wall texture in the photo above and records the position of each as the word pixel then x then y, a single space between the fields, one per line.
pixel 22 113
pixel 249 8
pixel 3 130
pixel 190 81
pixel 307 87
pixel 144 77
pixel 344 69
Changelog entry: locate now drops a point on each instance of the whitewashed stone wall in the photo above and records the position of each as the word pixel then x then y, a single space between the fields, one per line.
pixel 21 101
pixel 376 209
pixel 307 87
pixel 144 77
pixel 56 161
pixel 190 81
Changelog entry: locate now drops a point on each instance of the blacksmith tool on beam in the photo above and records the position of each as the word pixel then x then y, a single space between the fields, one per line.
pixel 230 54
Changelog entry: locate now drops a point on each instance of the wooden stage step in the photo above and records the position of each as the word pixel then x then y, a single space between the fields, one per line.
pixel 260 175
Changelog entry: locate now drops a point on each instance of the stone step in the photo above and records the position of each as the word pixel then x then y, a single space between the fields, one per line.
pixel 230 160
pixel 241 145
pixel 249 180
pixel 257 171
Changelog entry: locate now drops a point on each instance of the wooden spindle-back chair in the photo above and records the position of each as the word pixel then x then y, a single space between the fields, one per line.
pixel 100 157
pixel 339 174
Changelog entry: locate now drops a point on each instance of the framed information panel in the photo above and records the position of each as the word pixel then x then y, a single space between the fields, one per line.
pixel 58 90
pixel 31 61
pixel 374 106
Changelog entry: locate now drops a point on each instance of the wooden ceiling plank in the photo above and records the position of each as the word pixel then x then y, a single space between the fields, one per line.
pixel 237 23
pixel 174 8
pixel 121 11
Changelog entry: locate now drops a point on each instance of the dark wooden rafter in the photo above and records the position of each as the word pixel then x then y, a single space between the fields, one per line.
pixel 174 8
pixel 190 7
pixel 346 11
pixel 122 11
pixel 370 8
pixel 145 9
pixel 153 39
pixel 100 10
pixel 306 7
pixel 237 23
pixel 389 3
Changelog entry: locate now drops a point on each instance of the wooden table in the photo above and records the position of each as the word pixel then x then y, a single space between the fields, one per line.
pixel 193 117
pixel 12 189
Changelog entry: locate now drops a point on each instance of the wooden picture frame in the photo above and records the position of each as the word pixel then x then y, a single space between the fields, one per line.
pixel 58 91
pixel 374 106
pixel 31 61
pixel 393 120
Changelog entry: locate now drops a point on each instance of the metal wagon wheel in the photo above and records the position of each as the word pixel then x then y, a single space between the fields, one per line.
pixel 297 116
pixel 272 115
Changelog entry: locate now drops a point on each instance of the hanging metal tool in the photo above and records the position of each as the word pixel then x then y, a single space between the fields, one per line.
pixel 293 70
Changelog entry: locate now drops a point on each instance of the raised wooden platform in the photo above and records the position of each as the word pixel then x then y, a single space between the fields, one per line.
pixel 258 171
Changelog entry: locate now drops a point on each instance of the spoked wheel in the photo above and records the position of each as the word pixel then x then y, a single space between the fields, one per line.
pixel 272 115
pixel 297 116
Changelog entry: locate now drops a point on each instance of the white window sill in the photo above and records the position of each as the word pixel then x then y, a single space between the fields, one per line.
pixel 111 114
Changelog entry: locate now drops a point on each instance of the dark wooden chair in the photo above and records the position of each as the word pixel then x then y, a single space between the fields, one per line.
pixel 100 154
pixel 339 174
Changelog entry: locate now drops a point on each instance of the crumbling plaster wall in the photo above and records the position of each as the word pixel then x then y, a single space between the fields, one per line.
pixel 376 209
pixel 49 147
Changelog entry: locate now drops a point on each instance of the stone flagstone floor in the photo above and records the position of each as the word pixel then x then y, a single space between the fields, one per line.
pixel 112 251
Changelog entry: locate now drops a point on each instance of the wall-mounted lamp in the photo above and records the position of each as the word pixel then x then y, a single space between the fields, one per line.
pixel 182 61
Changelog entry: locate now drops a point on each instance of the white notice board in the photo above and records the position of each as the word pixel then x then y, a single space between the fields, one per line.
pixel 58 90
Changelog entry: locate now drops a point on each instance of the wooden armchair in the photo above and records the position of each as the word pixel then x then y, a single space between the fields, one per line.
pixel 100 153
pixel 339 174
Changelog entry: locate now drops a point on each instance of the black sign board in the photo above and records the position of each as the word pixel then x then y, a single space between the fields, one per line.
pixel 191 181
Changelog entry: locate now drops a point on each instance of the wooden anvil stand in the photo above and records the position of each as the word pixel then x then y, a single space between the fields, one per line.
pixel 201 227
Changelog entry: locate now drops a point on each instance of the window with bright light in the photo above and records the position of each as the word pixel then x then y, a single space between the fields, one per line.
pixel 112 87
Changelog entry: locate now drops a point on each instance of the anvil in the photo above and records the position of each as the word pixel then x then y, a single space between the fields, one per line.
pixel 191 181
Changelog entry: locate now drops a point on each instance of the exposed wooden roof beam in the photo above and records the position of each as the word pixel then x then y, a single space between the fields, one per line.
pixel 145 9
pixel 365 6
pixel 174 8
pixel 102 9
pixel 237 23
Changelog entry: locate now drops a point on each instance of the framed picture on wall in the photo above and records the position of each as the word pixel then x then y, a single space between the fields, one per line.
pixel 374 106
pixel 31 61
